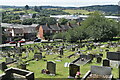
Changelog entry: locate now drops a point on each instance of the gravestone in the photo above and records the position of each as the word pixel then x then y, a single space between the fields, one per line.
pixel 99 59
pixel 73 49
pixel 101 55
pixel 61 51
pixel 113 56
pixel 119 71
pixel 73 69
pixel 101 70
pixel 38 56
pixel 51 67
pixel 3 66
pixel 106 62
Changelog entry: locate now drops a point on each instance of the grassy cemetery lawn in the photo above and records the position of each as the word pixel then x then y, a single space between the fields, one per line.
pixel 61 71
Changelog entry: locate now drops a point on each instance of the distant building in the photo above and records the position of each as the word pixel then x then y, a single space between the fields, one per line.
pixel 80 17
pixel 19 31
pixel 51 29
pixel 27 16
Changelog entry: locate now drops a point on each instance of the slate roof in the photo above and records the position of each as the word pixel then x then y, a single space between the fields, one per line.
pixel 55 27
pixel 29 30
pixel 18 30
pixel 45 27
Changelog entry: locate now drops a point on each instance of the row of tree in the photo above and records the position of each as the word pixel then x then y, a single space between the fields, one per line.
pixel 95 27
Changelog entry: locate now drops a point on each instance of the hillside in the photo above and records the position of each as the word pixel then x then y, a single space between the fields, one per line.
pixel 107 9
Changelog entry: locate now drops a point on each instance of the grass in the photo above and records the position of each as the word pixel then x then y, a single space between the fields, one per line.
pixel 77 11
pixel 61 71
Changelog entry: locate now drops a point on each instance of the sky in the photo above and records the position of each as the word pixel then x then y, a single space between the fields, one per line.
pixel 65 3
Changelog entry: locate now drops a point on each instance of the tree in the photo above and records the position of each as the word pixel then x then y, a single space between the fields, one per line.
pixel 98 27
pixel 62 21
pixel 36 9
pixel 28 21
pixel 51 21
pixel 27 7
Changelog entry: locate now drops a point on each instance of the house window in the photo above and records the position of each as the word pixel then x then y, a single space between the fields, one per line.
pixel 50 31
pixel 56 31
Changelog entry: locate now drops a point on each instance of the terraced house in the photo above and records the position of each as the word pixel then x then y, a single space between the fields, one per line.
pixel 52 29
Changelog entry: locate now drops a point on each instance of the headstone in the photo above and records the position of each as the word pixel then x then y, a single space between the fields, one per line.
pixel 73 49
pixel 51 67
pixel 73 69
pixel 101 55
pixel 119 71
pixel 106 62
pixel 101 70
pixel 113 56
pixel 65 65
pixel 3 66
pixel 99 59
pixel 38 56
pixel 61 51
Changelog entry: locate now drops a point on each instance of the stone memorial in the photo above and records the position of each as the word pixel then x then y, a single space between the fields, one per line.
pixel 119 71
pixel 3 66
pixel 99 59
pixel 106 62
pixel 73 69
pixel 61 51
pixel 51 67
pixel 38 56
pixel 17 74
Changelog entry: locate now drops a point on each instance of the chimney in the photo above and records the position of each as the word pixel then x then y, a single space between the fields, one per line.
pixel 58 24
pixel 68 24
pixel 78 24
pixel 47 24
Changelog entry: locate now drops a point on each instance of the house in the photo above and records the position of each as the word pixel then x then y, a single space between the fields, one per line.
pixel 52 29
pixel 27 16
pixel 19 31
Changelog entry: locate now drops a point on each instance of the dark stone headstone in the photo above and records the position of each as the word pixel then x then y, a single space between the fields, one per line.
pixel 101 55
pixel 73 69
pixel 3 66
pixel 61 51
pixel 23 66
pixel 106 62
pixel 119 70
pixel 38 56
pixel 113 56
pixel 99 59
pixel 73 49
pixel 51 67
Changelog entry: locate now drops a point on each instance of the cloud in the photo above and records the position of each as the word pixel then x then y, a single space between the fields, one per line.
pixel 57 2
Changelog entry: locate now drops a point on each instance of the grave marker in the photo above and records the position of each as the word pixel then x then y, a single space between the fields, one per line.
pixel 106 62
pixel 73 69
pixel 3 66
pixel 51 67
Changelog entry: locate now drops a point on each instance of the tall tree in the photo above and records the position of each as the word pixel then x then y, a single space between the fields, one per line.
pixel 27 7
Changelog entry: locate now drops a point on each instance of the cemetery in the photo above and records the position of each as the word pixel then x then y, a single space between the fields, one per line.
pixel 62 60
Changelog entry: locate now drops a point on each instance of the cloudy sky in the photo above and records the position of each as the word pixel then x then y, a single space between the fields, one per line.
pixel 76 3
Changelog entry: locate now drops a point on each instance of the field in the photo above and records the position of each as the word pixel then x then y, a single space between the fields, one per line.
pixel 61 71
pixel 77 11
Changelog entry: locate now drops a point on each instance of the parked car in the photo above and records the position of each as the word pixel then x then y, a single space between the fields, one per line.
pixel 12 42
pixel 37 40
pixel 21 41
